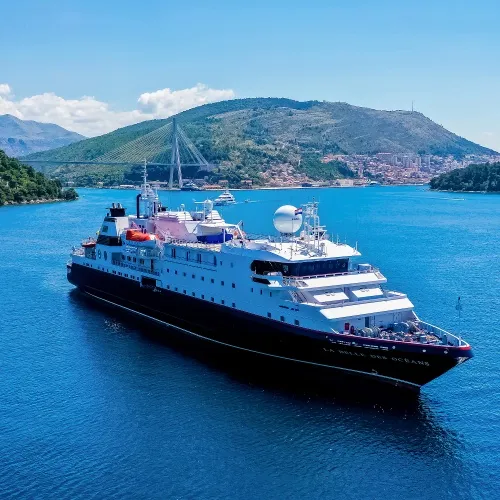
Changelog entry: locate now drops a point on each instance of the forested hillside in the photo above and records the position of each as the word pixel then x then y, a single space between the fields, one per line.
pixel 21 183
pixel 485 178
pixel 246 137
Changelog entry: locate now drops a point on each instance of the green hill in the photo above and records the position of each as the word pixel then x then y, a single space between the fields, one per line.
pixel 248 136
pixel 483 178
pixel 21 183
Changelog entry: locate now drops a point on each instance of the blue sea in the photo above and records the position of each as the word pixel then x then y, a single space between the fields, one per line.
pixel 94 406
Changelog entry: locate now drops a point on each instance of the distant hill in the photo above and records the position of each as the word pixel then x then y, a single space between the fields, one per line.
pixel 248 136
pixel 484 178
pixel 22 184
pixel 22 137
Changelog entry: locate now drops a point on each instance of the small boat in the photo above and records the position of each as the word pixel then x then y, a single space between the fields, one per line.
pixel 226 198
pixel 190 186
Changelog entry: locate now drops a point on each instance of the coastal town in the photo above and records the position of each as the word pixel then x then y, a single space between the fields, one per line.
pixel 367 170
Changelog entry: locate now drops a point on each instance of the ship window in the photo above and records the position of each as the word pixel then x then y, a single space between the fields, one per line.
pixel 212 299
pixel 268 315
pixel 215 261
pixel 173 252
pixel 233 285
pixel 203 278
pixel 193 294
pixel 104 229
pixel 251 289
pixel 114 272
pixel 168 287
pixel 261 292
pixel 222 283
pixel 141 261
pixel 193 276
pixel 297 322
pixel 282 318
pixel 212 280
pixel 134 259
pixel 184 292
pixel 126 275
pixel 123 257
pixel 128 258
pixel 221 262
pixel 222 302
pixel 330 266
pixel 105 255
pixel 202 296
pixel 198 258
pixel 168 270
pixel 176 272
pixel 183 274
pixel 270 294
pixel 234 305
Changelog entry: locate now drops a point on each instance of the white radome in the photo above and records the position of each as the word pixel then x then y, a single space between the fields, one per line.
pixel 285 221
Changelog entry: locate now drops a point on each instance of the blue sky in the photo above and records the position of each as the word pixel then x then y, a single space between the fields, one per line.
pixel 444 55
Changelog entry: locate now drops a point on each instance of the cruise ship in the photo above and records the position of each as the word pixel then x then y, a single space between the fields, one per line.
pixel 298 297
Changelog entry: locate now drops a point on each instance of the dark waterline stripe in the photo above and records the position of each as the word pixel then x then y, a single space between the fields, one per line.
pixel 403 382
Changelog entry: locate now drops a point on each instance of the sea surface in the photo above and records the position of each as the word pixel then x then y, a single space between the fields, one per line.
pixel 92 405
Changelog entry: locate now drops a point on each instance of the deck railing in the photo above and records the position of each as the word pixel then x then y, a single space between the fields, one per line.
pixel 446 337
pixel 135 267
pixel 289 280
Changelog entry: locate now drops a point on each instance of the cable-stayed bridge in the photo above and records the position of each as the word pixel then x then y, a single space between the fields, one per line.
pixel 166 146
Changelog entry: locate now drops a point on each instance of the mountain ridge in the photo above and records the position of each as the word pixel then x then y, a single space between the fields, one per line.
pixel 245 137
pixel 21 137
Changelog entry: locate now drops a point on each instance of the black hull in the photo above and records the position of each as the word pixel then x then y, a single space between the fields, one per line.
pixel 312 353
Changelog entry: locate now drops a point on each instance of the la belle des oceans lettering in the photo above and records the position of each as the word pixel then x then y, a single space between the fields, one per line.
pixel 379 356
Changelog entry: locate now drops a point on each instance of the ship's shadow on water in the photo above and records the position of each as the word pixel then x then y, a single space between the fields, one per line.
pixel 259 372
pixel 343 411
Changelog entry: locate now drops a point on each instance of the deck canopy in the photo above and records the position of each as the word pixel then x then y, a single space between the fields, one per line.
pixel 333 296
pixel 358 310
pixel 365 293
pixel 343 280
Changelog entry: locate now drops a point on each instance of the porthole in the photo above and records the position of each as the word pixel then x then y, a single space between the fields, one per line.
pixel 99 253
pixel 105 255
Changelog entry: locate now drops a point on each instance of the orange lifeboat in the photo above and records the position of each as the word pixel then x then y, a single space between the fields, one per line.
pixel 137 235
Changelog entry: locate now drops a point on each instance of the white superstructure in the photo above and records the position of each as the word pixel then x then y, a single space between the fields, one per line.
pixel 300 276
pixel 226 198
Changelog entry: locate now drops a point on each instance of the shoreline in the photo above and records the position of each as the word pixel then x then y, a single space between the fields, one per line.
pixel 458 192
pixel 264 188
pixel 33 202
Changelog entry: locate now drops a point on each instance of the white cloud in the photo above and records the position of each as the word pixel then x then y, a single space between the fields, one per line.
pixel 167 102
pixel 92 117
pixel 4 89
